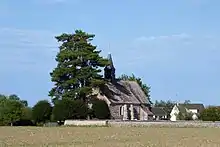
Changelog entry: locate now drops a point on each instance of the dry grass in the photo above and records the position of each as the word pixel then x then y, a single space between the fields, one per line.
pixel 109 137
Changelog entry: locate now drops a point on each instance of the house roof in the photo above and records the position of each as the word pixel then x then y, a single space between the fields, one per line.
pixel 181 108
pixel 124 92
pixel 158 111
pixel 199 107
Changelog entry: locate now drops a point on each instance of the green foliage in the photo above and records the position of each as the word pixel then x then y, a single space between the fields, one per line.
pixel 41 111
pixel 15 98
pixel 27 113
pixel 10 111
pixel 69 109
pixel 211 114
pixel 144 87
pixel 180 116
pixel 100 109
pixel 14 111
pixel 188 116
pixel 2 97
pixel 78 68
pixel 184 116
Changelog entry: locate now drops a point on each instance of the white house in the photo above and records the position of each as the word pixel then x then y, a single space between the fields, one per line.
pixel 195 109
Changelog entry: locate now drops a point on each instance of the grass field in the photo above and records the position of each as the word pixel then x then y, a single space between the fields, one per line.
pixel 109 137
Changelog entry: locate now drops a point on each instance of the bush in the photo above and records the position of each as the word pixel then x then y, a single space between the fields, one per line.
pixel 100 109
pixel 41 111
pixel 23 122
pixel 180 116
pixel 69 109
pixel 211 114
pixel 188 116
pixel 185 116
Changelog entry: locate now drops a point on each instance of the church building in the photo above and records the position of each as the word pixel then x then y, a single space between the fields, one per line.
pixel 125 99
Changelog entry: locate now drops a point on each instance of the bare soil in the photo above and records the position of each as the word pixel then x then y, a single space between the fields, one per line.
pixel 109 137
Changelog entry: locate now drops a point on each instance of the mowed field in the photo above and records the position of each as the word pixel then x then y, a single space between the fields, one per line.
pixel 109 137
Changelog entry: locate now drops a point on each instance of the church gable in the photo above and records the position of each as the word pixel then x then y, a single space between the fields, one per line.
pixel 119 91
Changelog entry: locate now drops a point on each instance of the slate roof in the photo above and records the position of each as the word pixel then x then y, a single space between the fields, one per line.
pixel 181 108
pixel 199 107
pixel 158 111
pixel 124 92
pixel 146 109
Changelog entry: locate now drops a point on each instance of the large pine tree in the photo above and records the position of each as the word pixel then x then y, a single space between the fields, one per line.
pixel 78 69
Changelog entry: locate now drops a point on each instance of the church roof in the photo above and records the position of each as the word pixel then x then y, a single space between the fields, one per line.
pixel 125 92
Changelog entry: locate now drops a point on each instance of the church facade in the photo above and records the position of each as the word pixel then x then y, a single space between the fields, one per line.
pixel 125 99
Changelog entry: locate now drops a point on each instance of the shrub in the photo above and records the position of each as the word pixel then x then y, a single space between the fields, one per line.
pixel 184 116
pixel 180 116
pixel 100 109
pixel 23 122
pixel 41 111
pixel 211 114
pixel 188 116
pixel 69 109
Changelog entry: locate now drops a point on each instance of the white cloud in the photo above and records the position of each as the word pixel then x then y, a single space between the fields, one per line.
pixel 162 37
pixel 177 51
pixel 26 49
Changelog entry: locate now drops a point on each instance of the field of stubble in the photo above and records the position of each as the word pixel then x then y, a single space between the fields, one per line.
pixel 109 137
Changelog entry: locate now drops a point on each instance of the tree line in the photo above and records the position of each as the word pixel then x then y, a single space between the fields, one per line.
pixel 78 71
pixel 14 111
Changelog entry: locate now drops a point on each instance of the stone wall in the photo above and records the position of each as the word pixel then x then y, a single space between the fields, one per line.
pixel 166 124
pixel 178 124
pixel 114 110
pixel 85 123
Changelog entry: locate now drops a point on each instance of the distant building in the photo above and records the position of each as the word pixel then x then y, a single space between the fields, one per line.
pixel 158 113
pixel 125 99
pixel 195 109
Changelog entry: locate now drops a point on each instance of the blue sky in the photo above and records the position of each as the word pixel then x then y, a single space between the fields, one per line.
pixel 174 46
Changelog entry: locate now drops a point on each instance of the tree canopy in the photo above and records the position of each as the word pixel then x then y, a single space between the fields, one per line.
pixel 11 109
pixel 69 109
pixel 144 87
pixel 41 111
pixel 78 67
pixel 211 113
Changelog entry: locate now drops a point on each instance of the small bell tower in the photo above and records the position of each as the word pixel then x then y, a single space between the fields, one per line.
pixel 109 70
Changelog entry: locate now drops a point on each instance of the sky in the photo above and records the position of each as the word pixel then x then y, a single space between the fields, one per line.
pixel 174 46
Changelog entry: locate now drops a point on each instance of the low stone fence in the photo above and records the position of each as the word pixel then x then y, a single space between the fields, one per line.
pixel 167 124
pixel 85 123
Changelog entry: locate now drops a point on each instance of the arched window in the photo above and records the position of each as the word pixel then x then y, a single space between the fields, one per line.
pixel 121 110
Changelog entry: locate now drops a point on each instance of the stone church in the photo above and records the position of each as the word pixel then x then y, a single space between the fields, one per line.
pixel 125 99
